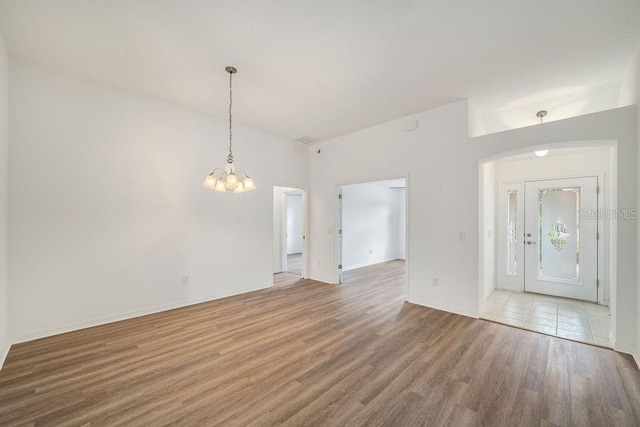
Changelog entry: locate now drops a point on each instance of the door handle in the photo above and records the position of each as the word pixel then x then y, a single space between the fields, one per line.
pixel 529 242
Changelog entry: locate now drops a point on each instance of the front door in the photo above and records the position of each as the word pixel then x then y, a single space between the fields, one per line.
pixel 560 248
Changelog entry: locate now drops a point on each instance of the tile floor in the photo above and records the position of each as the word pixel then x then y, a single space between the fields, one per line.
pixel 566 318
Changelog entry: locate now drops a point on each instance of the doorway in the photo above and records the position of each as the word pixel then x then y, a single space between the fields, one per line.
pixel 294 235
pixel 289 231
pixel 371 225
pixel 542 229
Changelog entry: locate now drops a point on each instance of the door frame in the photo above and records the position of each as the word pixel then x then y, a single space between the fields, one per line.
pixel 600 266
pixel 282 255
pixel 336 221
pixel 603 291
pixel 284 227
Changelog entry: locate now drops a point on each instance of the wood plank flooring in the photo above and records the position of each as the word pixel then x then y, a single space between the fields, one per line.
pixel 307 353
pixel 294 263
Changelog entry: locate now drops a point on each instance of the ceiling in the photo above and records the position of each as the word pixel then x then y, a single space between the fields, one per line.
pixel 325 68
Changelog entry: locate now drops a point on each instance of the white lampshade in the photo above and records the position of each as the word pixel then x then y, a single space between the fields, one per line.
pixel 220 186
pixel 248 184
pixel 239 188
pixel 231 182
pixel 210 182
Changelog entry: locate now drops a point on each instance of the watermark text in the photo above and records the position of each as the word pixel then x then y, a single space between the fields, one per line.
pixel 626 213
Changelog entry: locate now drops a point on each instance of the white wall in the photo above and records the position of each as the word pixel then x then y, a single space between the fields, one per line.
pixel 580 162
pixel 106 208
pixel 370 223
pixel 438 204
pixel 568 163
pixel 637 102
pixel 442 163
pixel 294 223
pixel 489 206
pixel 561 103
pixel 637 348
pixel 4 145
pixel 630 94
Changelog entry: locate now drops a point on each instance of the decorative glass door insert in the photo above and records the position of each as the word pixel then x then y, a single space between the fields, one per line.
pixel 561 256
pixel 559 234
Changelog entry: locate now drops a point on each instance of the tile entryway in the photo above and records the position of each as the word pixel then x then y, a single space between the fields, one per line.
pixel 566 318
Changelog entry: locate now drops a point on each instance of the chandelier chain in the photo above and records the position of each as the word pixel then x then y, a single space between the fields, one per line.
pixel 230 158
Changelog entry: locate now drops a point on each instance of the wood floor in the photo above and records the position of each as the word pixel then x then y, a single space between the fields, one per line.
pixel 294 263
pixel 307 353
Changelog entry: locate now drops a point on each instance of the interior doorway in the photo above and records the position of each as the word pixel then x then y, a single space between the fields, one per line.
pixel 371 225
pixel 289 231
pixel 294 235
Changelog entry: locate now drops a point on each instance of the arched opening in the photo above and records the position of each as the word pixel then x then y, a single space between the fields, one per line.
pixel 547 231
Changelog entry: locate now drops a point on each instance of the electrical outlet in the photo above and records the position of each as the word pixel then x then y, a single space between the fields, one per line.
pixel 319 263
pixel 462 236
pixel 435 282
pixel 370 251
pixel 185 280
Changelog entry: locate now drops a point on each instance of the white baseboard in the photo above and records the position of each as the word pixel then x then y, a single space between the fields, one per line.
pixel 629 349
pixel 367 264
pixel 317 279
pixel 446 307
pixel 124 316
pixel 3 355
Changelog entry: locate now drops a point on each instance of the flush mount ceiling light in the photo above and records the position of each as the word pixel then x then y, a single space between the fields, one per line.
pixel 541 153
pixel 541 115
pixel 229 179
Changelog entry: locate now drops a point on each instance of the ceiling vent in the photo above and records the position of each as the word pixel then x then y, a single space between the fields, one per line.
pixel 307 139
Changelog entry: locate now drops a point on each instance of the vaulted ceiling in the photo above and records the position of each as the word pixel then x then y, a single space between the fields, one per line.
pixel 325 68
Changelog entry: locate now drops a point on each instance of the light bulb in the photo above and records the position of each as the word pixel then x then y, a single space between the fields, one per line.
pixel 542 153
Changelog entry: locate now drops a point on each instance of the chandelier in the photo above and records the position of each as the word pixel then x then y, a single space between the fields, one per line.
pixel 229 179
